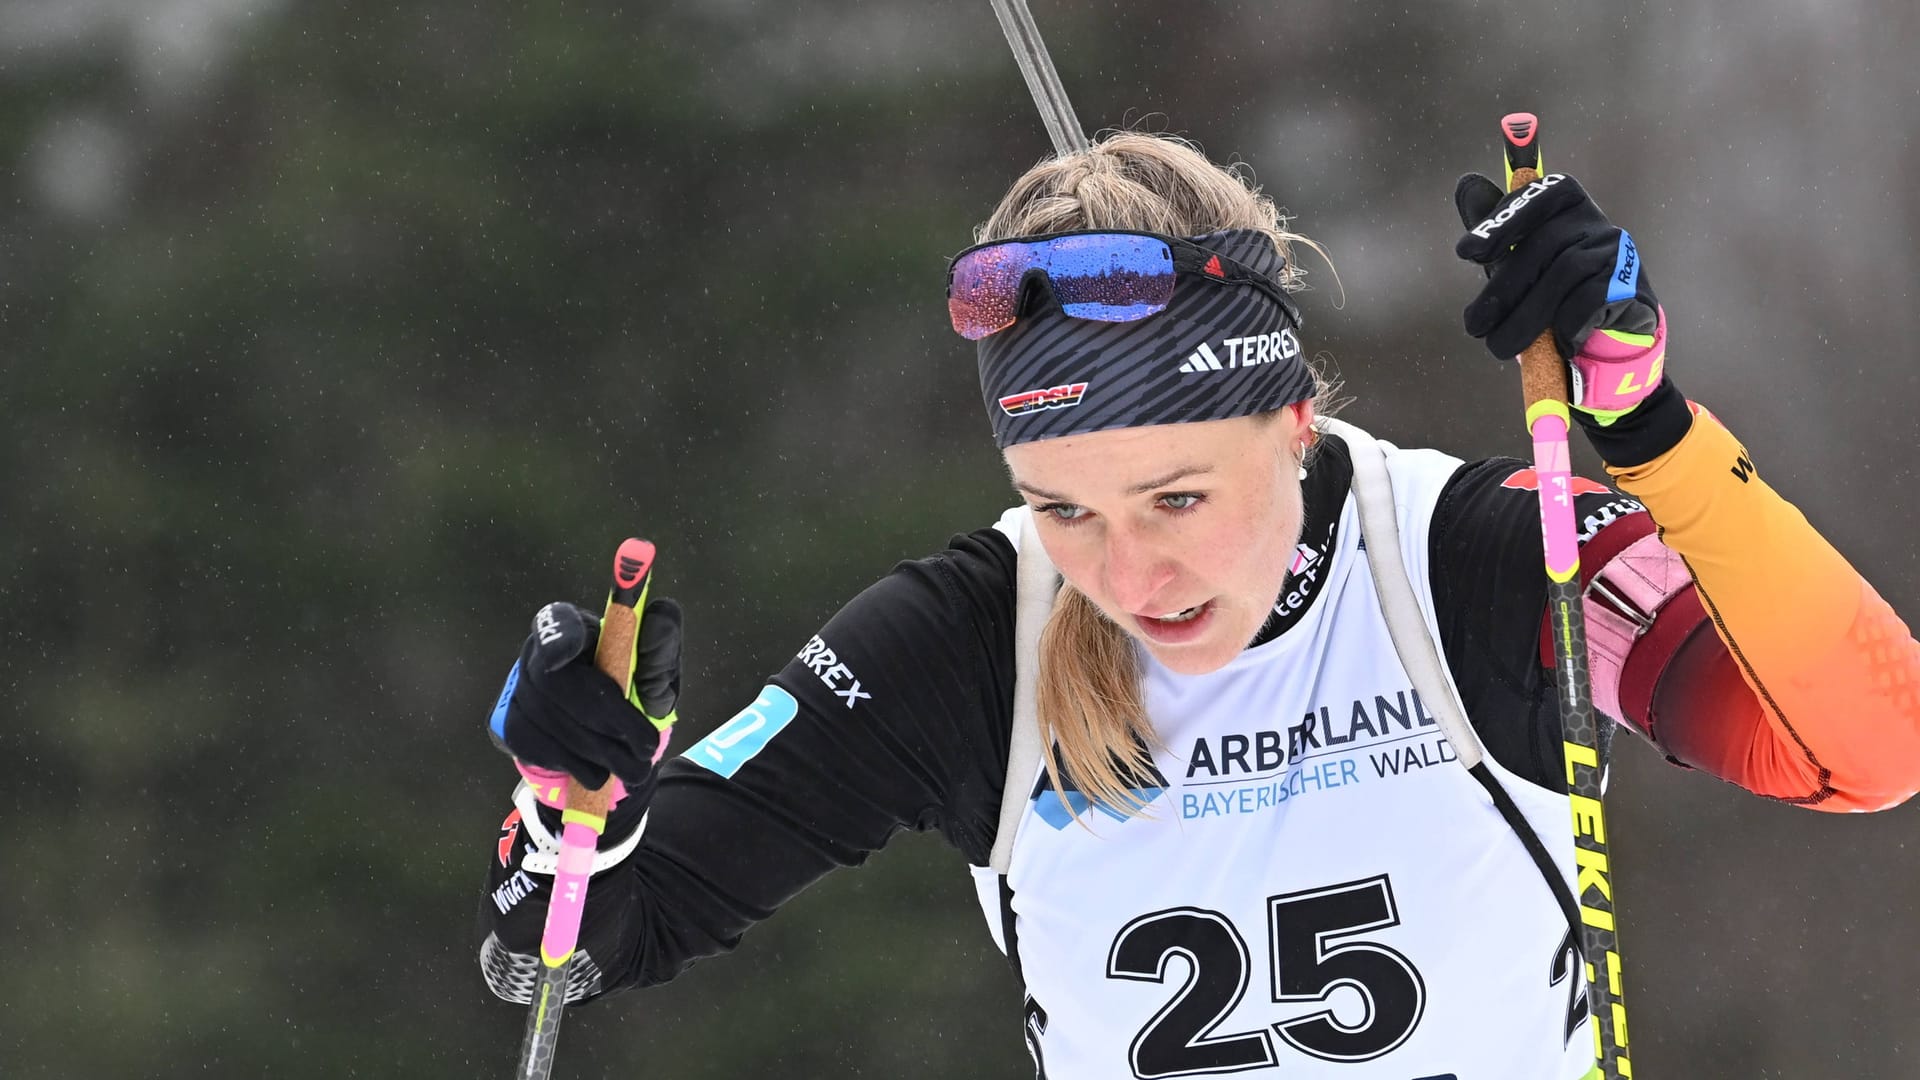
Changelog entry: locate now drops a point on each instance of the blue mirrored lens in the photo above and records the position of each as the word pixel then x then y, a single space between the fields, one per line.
pixel 1109 277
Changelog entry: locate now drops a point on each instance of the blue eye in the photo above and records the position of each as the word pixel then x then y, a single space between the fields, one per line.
pixel 1182 501
pixel 1064 513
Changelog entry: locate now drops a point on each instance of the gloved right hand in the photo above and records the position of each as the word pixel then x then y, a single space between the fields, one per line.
pixel 1555 262
pixel 560 712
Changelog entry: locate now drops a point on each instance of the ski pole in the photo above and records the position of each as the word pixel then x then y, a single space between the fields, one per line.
pixel 1543 379
pixel 584 819
pixel 1036 66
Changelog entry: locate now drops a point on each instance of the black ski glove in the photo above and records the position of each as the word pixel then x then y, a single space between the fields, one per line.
pixel 1553 262
pixel 558 711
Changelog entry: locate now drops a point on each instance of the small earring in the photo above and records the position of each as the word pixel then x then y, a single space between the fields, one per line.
pixel 1300 459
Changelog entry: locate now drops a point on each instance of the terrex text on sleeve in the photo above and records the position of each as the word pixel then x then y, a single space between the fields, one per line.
pixel 821 660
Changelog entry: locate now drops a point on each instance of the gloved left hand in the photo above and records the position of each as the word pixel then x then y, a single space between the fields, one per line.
pixel 560 714
pixel 1555 263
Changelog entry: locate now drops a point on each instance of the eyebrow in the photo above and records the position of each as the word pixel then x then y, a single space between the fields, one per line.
pixel 1141 488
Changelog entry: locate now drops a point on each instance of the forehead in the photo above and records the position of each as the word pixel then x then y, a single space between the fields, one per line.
pixel 1105 462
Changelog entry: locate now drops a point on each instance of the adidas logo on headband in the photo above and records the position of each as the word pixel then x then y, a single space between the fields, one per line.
pixel 1244 352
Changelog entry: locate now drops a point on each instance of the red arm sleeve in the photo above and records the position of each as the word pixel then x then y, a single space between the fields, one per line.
pixel 1808 688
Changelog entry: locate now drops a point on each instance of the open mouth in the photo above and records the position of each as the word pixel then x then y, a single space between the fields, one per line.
pixel 1177 627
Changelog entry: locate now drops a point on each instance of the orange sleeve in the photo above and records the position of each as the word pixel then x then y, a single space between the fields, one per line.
pixel 1833 719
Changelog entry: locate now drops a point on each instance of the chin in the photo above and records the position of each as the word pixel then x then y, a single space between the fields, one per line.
pixel 1191 660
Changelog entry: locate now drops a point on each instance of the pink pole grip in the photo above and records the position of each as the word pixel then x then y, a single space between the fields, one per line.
pixel 1552 463
pixel 577 845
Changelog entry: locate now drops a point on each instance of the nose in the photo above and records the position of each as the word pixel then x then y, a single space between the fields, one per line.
pixel 1138 567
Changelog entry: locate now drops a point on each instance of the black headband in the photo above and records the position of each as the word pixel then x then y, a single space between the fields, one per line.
pixel 1219 351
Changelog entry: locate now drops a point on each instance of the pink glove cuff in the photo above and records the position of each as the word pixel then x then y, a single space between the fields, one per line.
pixel 1615 371
pixel 550 786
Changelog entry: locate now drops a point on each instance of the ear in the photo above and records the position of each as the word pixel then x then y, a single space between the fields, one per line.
pixel 1303 417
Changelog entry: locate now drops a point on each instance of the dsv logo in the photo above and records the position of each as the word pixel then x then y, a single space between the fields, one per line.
pixel 1532 191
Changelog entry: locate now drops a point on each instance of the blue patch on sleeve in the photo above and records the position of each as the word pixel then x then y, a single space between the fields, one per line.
pixel 1626 271
pixel 497 723
pixel 735 742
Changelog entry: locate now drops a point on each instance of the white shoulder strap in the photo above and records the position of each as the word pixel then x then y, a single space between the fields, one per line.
pixel 1037 584
pixel 1419 653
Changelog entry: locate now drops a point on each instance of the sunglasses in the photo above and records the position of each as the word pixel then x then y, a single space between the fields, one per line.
pixel 1105 276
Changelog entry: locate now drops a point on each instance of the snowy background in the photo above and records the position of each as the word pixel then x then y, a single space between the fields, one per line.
pixel 341 335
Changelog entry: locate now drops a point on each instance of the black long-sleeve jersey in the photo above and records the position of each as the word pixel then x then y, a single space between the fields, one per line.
pixel 897 714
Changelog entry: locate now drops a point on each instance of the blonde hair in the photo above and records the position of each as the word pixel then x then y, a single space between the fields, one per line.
pixel 1093 717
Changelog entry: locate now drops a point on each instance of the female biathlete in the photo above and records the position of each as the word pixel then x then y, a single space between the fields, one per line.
pixel 1237 769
